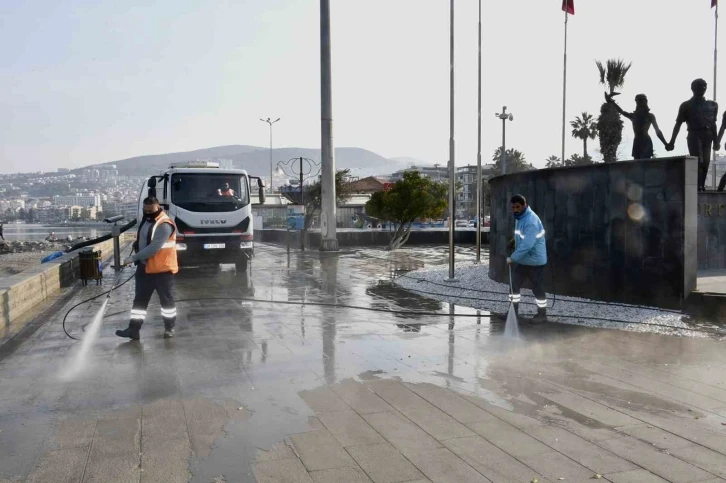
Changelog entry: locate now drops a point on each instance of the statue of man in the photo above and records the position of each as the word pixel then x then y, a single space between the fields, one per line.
pixel 642 119
pixel 699 115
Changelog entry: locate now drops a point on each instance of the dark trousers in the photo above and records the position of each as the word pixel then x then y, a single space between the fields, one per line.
pixel 700 144
pixel 146 284
pixel 535 275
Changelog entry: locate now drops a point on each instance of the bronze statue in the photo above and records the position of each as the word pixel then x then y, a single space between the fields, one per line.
pixel 699 115
pixel 642 119
pixel 721 183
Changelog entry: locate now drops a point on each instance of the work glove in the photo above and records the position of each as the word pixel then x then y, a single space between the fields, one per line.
pixel 511 244
pixel 509 260
pixel 128 261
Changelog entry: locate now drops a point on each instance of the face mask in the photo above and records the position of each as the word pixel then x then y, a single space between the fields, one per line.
pixel 152 216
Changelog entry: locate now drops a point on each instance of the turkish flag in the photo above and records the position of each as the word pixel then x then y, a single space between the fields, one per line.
pixel 569 6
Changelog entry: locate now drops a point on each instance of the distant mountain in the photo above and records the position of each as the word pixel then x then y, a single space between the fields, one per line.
pixel 256 160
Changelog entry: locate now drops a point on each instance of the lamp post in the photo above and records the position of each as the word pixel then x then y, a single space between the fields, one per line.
pixel 504 117
pixel 270 122
pixel 303 168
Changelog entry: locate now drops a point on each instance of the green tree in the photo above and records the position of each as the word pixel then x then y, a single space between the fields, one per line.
pixel 609 124
pixel 553 162
pixel 410 199
pixel 577 160
pixel 584 127
pixel 314 194
pixel 516 163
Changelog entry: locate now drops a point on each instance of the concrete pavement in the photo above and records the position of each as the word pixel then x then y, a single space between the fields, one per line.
pixel 250 390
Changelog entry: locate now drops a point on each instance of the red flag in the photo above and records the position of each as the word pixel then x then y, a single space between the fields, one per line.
pixel 569 6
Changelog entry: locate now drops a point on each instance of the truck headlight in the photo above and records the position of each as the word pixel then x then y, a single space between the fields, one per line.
pixel 181 247
pixel 245 245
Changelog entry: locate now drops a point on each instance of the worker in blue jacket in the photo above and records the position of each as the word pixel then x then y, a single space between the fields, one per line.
pixel 529 257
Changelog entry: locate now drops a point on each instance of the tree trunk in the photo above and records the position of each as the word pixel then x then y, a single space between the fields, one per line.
pixel 400 237
pixel 584 148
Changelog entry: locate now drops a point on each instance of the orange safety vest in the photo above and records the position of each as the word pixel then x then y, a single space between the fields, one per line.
pixel 164 260
pixel 227 193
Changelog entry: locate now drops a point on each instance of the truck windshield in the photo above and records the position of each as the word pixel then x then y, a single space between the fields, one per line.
pixel 204 192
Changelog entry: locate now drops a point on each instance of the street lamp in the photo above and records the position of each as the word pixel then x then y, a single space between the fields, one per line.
pixel 478 155
pixel 270 122
pixel 504 117
pixel 302 168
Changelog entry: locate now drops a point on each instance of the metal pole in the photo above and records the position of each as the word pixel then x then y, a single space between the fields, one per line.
pixel 478 158
pixel 328 240
pixel 271 158
pixel 504 142
pixel 302 202
pixel 715 85
pixel 452 147
pixel 116 233
pixel 564 91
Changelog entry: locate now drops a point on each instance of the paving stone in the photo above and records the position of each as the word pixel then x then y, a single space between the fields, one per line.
pixel 360 398
pixel 635 476
pixel 397 395
pixel 166 462
pixel 443 466
pixel 649 458
pixel 655 436
pixel 60 466
pixel 449 402
pixel 510 439
pixel 340 475
pixel 384 464
pixel 437 423
pixel 289 470
pixel 402 433
pixel 598 412
pixel 323 400
pixel 279 451
pixel 555 466
pixel 704 458
pixel 491 461
pixel 349 428
pixel 587 454
pixel 319 450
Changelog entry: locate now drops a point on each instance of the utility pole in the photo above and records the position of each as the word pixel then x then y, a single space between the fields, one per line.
pixel 270 122
pixel 328 240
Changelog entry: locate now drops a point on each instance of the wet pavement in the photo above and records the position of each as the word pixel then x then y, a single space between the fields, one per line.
pixel 365 382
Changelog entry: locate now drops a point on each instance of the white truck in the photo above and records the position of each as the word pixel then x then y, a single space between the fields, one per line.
pixel 212 209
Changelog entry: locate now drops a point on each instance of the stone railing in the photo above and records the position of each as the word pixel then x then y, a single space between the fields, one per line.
pixel 28 289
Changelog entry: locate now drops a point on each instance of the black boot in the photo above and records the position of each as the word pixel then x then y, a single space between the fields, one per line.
pixel 501 318
pixel 541 316
pixel 131 332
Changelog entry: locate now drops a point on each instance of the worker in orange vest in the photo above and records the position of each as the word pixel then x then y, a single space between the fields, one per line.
pixel 156 263
pixel 226 191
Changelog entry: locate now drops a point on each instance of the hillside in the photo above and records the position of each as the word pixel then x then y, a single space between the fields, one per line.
pixel 256 160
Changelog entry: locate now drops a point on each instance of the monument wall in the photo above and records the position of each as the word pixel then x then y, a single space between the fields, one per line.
pixel 620 232
pixel 711 231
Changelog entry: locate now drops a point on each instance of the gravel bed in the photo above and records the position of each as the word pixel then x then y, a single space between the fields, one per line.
pixel 475 289
pixel 14 263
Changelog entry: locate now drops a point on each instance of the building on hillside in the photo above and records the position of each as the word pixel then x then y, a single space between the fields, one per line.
pixel 369 185
pixel 436 172
pixel 79 199
pixel 466 194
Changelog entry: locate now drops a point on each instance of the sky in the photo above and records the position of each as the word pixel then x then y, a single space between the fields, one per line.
pixel 89 81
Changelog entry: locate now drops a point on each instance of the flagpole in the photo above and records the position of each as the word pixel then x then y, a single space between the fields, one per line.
pixel 715 84
pixel 564 90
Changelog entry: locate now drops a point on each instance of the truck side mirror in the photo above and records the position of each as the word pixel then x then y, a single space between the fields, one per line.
pixel 261 194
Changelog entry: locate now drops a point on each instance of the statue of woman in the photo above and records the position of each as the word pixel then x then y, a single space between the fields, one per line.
pixel 642 119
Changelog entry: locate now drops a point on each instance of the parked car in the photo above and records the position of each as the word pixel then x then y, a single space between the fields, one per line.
pixel 461 224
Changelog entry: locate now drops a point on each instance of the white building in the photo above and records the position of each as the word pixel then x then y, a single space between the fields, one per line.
pixel 79 199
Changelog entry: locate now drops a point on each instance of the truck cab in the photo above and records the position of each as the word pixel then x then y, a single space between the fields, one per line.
pixel 212 209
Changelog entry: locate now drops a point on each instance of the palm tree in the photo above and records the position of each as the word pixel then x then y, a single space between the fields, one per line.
pixel 553 162
pixel 584 127
pixel 609 124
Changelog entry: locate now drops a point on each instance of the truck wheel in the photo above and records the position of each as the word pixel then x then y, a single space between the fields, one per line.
pixel 241 265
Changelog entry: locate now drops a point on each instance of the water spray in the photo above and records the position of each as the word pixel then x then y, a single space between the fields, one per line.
pixel 511 328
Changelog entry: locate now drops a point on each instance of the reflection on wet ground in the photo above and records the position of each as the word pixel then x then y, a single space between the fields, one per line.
pixel 364 382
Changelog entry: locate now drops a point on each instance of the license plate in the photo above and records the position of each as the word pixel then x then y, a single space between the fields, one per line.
pixel 212 246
